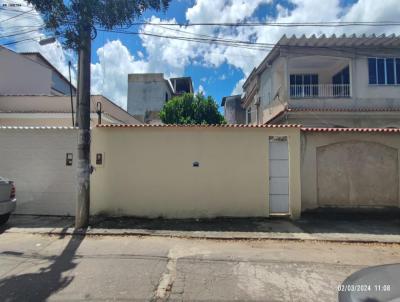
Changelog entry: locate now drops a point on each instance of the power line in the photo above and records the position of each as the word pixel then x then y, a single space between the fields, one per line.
pixel 214 40
pixel 254 24
pixel 235 43
pixel 279 24
pixel 16 16
pixel 6 9
pixel 19 33
pixel 21 41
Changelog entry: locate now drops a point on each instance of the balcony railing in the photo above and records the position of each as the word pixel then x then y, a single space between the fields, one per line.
pixel 320 91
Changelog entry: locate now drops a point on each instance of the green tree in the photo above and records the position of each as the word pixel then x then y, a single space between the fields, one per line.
pixel 75 23
pixel 191 109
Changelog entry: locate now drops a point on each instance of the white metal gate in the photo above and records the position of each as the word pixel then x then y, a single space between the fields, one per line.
pixel 278 175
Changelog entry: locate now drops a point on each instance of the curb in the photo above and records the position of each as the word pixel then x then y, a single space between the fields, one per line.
pixel 210 235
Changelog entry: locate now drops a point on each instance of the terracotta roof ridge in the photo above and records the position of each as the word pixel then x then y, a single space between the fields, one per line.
pixel 39 127
pixel 322 129
pixel 198 126
pixel 363 109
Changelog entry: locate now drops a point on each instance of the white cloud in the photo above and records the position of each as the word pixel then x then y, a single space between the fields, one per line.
pixel 238 87
pixel 54 53
pixel 109 75
pixel 222 77
pixel 201 90
pixel 222 11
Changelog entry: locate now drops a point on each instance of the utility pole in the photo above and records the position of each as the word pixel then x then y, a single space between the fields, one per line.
pixel 83 163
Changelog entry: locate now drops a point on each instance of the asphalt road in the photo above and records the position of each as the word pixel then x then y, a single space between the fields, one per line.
pixel 49 268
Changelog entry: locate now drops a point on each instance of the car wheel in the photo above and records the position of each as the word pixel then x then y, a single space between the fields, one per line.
pixel 4 218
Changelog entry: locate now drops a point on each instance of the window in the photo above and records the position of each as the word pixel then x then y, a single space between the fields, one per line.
pixel 303 85
pixel 341 82
pixel 390 71
pixel 372 70
pixel 384 71
pixel 248 115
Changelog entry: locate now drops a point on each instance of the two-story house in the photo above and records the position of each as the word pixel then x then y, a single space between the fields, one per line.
pixel 35 93
pixel 346 81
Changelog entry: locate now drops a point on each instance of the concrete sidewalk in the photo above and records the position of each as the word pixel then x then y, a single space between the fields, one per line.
pixel 350 227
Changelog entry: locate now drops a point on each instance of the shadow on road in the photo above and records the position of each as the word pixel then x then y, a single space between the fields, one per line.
pixel 40 286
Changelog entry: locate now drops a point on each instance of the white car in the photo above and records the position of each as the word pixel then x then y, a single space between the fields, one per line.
pixel 8 202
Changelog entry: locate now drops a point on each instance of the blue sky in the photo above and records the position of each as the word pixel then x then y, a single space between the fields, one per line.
pixel 216 81
pixel 217 70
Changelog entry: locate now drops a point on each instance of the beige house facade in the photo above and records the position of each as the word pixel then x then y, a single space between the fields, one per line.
pixel 346 81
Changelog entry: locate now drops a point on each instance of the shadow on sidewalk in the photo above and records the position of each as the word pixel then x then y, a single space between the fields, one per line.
pixel 38 221
pixel 283 225
pixel 378 221
pixel 384 221
pixel 345 221
pixel 40 286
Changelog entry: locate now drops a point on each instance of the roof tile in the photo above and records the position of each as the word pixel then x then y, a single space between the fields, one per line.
pixel 194 126
pixel 369 130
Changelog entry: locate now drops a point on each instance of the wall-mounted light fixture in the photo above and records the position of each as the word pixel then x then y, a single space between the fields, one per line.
pixel 99 159
pixel 68 159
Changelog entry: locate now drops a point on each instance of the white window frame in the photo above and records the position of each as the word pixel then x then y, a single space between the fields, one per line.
pixel 385 72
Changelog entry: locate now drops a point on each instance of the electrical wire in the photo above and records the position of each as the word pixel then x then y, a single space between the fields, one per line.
pixel 9 35
pixel 278 24
pixel 16 16
pixel 21 41
pixel 253 24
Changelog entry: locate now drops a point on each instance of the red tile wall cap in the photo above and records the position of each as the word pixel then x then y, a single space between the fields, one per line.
pixel 342 109
pixel 370 130
pixel 195 126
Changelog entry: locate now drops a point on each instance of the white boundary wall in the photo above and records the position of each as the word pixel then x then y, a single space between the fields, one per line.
pixel 35 158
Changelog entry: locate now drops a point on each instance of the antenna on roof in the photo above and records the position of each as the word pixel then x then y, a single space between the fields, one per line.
pixel 70 92
pixel 99 111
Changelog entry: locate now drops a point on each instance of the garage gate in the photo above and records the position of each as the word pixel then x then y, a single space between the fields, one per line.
pixel 36 160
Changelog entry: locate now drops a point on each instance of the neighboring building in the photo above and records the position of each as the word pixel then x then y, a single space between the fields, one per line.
pixel 182 85
pixel 42 110
pixel 30 74
pixel 233 111
pixel 148 92
pixel 345 81
pixel 34 93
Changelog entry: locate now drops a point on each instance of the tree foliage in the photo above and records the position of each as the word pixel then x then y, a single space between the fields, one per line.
pixel 69 18
pixel 191 109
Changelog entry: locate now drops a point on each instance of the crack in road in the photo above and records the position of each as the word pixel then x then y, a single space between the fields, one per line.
pixel 167 279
